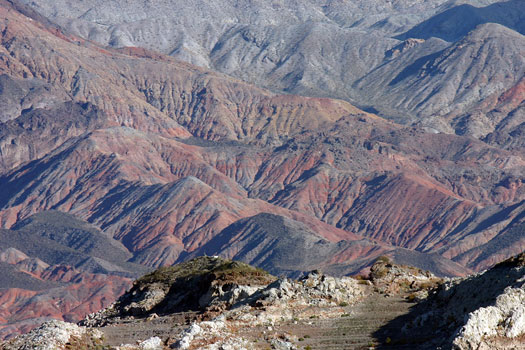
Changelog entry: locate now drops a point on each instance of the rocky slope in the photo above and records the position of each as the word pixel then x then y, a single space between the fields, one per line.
pixel 211 303
pixel 483 311
pixel 235 302
pixel 167 160
pixel 416 61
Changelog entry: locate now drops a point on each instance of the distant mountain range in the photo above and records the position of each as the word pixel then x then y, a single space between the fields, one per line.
pixel 465 56
pixel 116 156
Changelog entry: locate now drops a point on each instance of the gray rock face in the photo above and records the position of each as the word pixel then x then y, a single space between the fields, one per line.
pixel 445 81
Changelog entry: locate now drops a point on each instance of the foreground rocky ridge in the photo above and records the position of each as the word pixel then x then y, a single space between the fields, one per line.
pixel 234 302
pixel 483 311
pixel 231 305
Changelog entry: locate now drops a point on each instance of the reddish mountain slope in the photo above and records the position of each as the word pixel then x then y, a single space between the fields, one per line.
pixel 362 163
pixel 165 159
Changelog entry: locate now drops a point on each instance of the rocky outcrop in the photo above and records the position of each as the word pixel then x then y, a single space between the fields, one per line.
pixel 391 278
pixel 54 335
pixel 241 306
pixel 233 296
pixel 483 311
pixel 197 284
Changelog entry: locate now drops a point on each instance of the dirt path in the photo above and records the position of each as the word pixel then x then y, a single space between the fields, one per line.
pixel 353 331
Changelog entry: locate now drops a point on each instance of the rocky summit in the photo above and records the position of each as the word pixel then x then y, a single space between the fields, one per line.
pixel 354 137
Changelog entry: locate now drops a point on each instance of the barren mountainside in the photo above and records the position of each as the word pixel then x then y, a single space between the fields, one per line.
pixel 342 49
pixel 291 135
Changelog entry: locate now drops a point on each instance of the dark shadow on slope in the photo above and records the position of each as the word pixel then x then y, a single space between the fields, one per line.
pixel 274 243
pixel 67 230
pixel 11 277
pixel 123 198
pixel 456 22
pixel 416 67
pixel 497 217
pixel 433 323
pixel 513 233
pixel 19 184
pixel 61 239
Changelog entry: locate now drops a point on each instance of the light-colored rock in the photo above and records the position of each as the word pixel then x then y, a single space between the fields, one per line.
pixel 153 343
pixel 505 319
pixel 51 335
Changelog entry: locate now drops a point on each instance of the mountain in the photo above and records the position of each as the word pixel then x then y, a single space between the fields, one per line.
pixel 447 82
pixel 339 49
pixel 58 267
pixel 118 159
pixel 266 240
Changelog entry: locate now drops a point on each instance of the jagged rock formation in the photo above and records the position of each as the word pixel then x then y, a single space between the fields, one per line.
pixel 234 295
pixel 390 278
pixel 240 307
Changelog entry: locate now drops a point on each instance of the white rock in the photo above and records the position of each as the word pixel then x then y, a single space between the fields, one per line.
pixel 50 335
pixel 515 324
pixel 153 343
